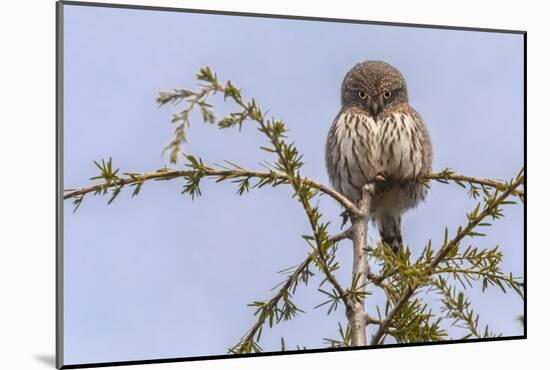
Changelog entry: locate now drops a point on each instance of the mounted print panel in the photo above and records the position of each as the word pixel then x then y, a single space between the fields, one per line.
pixel 246 184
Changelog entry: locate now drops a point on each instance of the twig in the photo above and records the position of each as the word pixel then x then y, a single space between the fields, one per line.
pixel 445 175
pixel 370 320
pixel 510 281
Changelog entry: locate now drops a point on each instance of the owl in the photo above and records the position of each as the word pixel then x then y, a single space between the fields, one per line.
pixel 377 133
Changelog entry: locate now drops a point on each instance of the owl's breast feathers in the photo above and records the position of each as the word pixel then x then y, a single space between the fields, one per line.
pixel 359 147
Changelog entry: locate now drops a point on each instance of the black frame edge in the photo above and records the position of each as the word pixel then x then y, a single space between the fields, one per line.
pixel 59 342
pixel 525 184
pixel 293 352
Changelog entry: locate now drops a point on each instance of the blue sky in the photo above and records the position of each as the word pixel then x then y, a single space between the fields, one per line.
pixel 164 276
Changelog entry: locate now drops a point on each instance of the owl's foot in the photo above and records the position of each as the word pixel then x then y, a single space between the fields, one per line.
pixel 380 177
pixel 394 242
pixel 345 218
pixel 397 248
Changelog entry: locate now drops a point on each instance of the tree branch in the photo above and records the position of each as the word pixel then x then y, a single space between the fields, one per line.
pixel 355 312
pixel 168 174
pixel 447 174
pixel 491 209
pixel 289 162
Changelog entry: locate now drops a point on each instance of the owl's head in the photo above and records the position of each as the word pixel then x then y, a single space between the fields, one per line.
pixel 373 86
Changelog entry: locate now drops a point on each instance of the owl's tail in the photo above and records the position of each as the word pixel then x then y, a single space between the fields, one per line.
pixel 390 231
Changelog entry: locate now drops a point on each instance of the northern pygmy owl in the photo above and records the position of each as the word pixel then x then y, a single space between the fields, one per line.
pixel 376 133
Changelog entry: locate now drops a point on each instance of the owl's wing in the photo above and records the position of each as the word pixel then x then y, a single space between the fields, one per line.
pixel 425 141
pixel 332 155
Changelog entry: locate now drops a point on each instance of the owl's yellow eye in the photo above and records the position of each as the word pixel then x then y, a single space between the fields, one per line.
pixel 362 95
pixel 387 94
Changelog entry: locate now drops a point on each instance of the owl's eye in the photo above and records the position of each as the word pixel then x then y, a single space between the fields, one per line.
pixel 362 95
pixel 387 94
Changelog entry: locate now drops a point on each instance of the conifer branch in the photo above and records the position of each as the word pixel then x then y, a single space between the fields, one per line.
pixel 491 209
pixel 218 174
pixel 456 306
pixel 134 178
pixel 449 175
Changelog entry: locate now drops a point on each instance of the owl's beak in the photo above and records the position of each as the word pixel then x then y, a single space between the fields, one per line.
pixel 375 107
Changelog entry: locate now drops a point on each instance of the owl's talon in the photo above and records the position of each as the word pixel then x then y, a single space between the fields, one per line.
pixel 380 178
pixel 345 218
